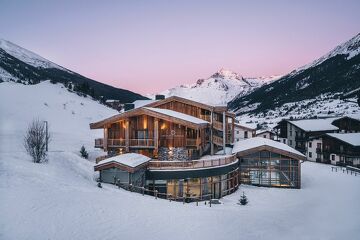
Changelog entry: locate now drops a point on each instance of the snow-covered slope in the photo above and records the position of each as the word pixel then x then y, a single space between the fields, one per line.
pixel 27 56
pixel 220 88
pixel 68 115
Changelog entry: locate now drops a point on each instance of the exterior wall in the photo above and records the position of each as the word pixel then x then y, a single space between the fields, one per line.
pixel 108 175
pixel 240 133
pixel 267 135
pixel 315 155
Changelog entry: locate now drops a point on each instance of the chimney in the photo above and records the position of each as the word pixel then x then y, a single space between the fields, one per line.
pixel 159 97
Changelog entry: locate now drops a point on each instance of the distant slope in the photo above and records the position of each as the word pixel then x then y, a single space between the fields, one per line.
pixel 324 79
pixel 21 65
pixel 220 88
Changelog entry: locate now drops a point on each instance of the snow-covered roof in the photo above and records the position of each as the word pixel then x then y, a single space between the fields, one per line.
pixel 263 131
pixel 178 115
pixel 128 159
pixel 245 125
pixel 141 103
pixel 351 138
pixel 313 125
pixel 259 141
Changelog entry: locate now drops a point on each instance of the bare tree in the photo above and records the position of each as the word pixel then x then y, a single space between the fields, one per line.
pixel 36 139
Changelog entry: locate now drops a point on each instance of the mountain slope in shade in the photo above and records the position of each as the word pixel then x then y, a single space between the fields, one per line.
pixel 219 88
pixel 23 66
pixel 321 81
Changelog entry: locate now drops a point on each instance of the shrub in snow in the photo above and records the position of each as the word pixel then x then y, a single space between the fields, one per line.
pixel 84 153
pixel 243 199
pixel 36 140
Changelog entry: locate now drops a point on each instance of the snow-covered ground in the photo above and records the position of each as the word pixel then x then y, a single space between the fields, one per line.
pixel 60 200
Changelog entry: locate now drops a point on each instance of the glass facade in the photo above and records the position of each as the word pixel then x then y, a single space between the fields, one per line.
pixel 195 189
pixel 265 168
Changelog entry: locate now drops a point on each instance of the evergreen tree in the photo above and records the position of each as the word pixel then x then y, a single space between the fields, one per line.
pixel 84 153
pixel 243 199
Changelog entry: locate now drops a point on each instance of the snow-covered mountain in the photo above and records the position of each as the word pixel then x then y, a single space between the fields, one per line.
pixel 23 66
pixel 219 88
pixel 311 90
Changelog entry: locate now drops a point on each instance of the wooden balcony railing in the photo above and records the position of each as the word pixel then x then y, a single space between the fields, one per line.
pixel 206 117
pixel 218 140
pixel 218 125
pixel 99 142
pixel 142 142
pixel 116 142
pixel 195 164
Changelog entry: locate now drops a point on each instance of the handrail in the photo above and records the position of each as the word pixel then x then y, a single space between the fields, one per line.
pixel 194 164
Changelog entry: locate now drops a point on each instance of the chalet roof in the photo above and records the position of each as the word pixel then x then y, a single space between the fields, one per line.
pixel 350 138
pixel 264 131
pixel 190 102
pixel 244 126
pixel 179 115
pixel 258 143
pixel 165 114
pixel 128 159
pixel 141 103
pixel 315 125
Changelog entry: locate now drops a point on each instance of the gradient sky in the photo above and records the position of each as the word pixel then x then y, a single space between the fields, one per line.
pixel 149 46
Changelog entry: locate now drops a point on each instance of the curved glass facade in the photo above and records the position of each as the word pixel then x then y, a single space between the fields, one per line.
pixel 195 189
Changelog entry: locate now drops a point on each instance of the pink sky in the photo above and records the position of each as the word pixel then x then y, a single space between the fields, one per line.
pixel 149 47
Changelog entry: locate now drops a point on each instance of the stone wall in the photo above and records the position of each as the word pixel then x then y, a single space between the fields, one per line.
pixel 174 154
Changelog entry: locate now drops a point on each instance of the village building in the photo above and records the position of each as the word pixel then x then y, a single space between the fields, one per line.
pixel 265 134
pixel 335 148
pixel 178 149
pixel 243 131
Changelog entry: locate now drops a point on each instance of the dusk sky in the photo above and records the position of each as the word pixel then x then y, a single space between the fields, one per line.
pixel 149 46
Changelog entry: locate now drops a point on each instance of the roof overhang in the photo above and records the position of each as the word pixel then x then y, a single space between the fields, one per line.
pixel 271 149
pixel 148 112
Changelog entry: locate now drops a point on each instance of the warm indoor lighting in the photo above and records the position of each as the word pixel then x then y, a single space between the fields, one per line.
pixel 163 126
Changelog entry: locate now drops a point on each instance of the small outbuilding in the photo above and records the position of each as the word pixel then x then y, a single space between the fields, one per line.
pixel 125 169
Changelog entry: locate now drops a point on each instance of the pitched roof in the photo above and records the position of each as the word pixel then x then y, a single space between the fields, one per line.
pixel 178 115
pixel 165 114
pixel 129 162
pixel 315 125
pixel 350 138
pixel 258 142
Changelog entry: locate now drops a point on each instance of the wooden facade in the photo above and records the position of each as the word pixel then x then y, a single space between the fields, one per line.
pixel 145 131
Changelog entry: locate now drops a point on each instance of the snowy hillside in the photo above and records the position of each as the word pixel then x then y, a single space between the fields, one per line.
pixel 20 65
pixel 27 56
pixel 311 91
pixel 68 115
pixel 220 88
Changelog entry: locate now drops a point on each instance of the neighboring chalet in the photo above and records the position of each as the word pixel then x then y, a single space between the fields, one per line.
pixel 178 149
pixel 243 131
pixel 265 134
pixel 298 132
pixel 336 148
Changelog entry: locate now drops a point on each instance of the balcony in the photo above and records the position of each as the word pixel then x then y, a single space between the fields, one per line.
pixel 218 125
pixel 195 164
pixel 206 117
pixel 218 140
pixel 146 142
pixel 99 143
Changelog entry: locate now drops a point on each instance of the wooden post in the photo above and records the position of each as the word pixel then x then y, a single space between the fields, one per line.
pixel 156 135
pixel 211 133
pixel 127 135
pixel 105 138
pixel 224 132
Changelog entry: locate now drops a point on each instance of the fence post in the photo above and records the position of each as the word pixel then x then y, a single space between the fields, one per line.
pixel 210 202
pixel 143 190
pixel 156 194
